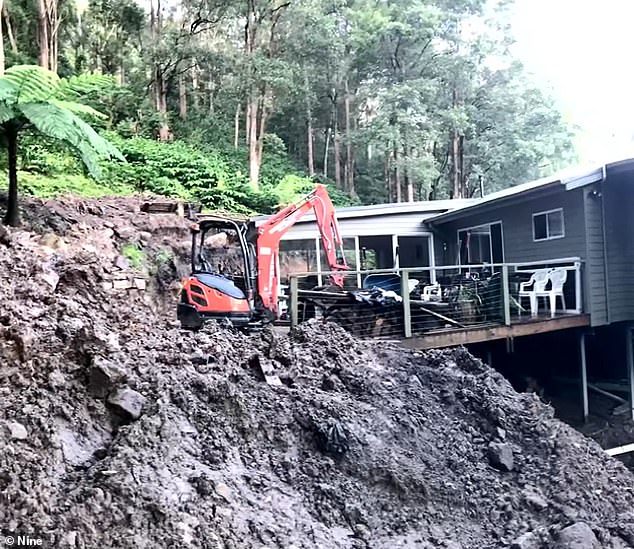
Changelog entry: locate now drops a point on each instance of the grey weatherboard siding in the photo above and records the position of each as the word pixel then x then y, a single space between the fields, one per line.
pixel 581 240
pixel 618 200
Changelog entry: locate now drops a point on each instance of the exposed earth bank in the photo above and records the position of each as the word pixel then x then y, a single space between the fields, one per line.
pixel 117 429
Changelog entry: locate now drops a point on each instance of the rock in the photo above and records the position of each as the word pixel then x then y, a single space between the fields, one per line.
pixel 104 376
pixel 501 456
pixel 128 401
pixel 107 286
pixel 71 539
pixel 577 536
pixel 140 284
pixel 18 431
pixel 125 233
pixel 51 240
pixel 501 433
pixel 56 379
pixel 145 237
pixel 223 491
pixel 50 277
pixel 5 236
pixel 362 531
pixel 526 541
pixel 121 284
pixel 122 263
pixel 535 498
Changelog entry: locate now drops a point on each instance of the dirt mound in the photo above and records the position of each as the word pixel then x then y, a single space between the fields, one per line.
pixel 119 430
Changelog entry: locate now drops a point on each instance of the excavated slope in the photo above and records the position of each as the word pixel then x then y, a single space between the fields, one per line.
pixel 361 445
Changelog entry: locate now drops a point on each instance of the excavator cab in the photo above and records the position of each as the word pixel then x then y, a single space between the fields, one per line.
pixel 243 289
pixel 222 280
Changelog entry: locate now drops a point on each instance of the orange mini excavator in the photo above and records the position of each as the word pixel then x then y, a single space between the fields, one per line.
pixel 248 296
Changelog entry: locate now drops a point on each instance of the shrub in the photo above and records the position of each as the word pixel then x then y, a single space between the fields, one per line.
pixel 134 255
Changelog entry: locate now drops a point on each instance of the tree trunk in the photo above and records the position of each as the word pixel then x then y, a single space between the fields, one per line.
pixel 326 150
pixel 349 166
pixel 254 161
pixel 236 128
pixel 311 154
pixel 387 178
pixel 455 166
pixel 161 98
pixel 309 127
pixel 182 97
pixel 397 176
pixel 247 123
pixel 2 62
pixel 54 23
pixel 10 35
pixel 409 184
pixel 12 216
pixel 195 98
pixel 43 34
pixel 337 159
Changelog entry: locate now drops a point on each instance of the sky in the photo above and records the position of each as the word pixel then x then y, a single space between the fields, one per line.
pixel 583 50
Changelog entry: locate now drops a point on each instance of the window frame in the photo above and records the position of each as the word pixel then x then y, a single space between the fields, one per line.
pixel 546 213
pixel 488 224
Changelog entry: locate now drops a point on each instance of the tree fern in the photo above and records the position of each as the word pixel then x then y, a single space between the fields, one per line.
pixel 34 83
pixel 33 96
pixel 83 84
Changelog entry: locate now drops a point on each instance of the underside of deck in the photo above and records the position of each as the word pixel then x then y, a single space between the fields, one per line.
pixel 530 326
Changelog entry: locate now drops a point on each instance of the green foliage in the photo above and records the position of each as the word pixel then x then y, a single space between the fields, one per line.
pixel 64 184
pixel 215 178
pixel 135 255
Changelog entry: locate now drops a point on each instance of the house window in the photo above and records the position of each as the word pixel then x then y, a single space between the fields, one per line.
pixel 482 244
pixel 548 225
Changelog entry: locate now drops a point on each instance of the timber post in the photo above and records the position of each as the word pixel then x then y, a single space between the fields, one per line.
pixel 506 295
pixel 584 376
pixel 294 305
pixel 407 311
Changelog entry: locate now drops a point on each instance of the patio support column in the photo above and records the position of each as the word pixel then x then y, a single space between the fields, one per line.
pixel 630 365
pixel 584 376
pixel 407 312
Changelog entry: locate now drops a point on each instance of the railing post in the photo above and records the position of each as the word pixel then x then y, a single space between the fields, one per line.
pixel 578 291
pixel 294 302
pixel 506 295
pixel 407 312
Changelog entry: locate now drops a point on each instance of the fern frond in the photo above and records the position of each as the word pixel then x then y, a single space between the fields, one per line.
pixel 7 112
pixel 59 123
pixel 33 83
pixel 83 84
pixel 8 91
pixel 78 108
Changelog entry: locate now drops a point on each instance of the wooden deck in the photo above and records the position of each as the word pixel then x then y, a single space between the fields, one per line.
pixel 525 327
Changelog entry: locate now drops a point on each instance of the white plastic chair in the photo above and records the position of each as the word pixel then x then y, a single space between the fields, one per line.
pixel 433 292
pixel 557 279
pixel 535 287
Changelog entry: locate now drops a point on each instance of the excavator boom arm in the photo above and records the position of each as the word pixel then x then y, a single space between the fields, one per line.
pixel 270 234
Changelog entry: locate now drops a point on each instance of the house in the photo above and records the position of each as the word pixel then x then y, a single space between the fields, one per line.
pixel 381 236
pixel 580 222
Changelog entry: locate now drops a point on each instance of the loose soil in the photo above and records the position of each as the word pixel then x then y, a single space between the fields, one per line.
pixel 361 445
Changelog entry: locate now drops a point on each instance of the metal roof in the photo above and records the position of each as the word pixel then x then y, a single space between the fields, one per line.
pixel 570 179
pixel 427 206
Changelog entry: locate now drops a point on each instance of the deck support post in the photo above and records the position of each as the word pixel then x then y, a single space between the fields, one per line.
pixel 294 305
pixel 506 295
pixel 630 365
pixel 584 376
pixel 407 311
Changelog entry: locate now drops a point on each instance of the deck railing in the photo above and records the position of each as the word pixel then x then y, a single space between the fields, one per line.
pixel 413 301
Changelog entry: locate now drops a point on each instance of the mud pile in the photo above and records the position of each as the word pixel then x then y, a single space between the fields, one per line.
pixel 119 430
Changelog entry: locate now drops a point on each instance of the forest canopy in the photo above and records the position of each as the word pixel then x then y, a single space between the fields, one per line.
pixel 241 104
